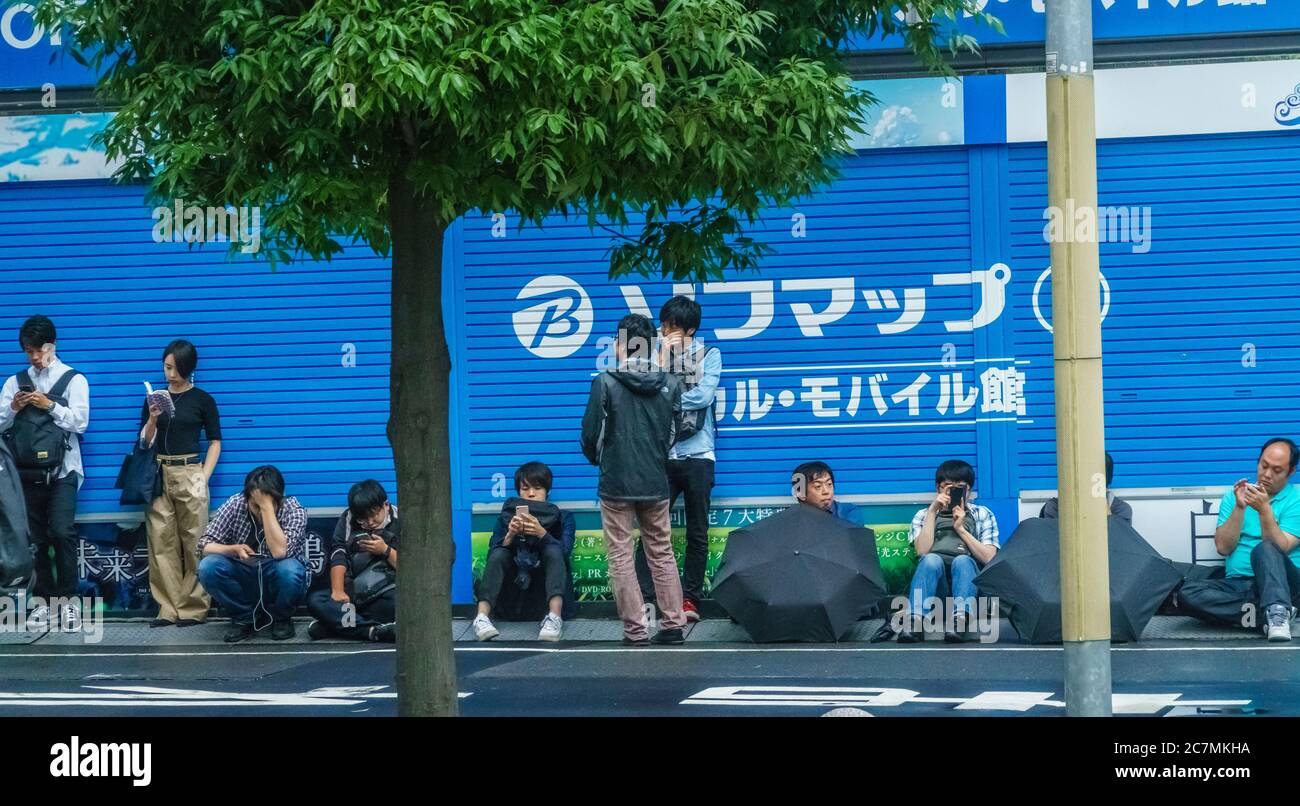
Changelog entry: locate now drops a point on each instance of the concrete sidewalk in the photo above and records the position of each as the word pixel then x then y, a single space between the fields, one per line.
pixel 138 633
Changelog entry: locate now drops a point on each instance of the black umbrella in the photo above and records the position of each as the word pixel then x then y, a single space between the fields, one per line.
pixel 1026 577
pixel 799 575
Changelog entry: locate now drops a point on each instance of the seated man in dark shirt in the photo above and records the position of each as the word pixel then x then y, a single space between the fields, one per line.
pixel 364 547
pixel 253 555
pixel 1114 506
pixel 526 545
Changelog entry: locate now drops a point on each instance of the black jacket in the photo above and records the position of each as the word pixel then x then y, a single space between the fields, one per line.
pixel 628 429
pixel 343 548
pixel 15 556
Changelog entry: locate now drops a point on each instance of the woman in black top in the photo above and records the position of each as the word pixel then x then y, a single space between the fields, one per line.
pixel 177 518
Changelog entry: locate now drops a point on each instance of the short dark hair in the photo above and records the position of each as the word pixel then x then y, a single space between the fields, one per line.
pixel 956 471
pixel 185 355
pixel 811 471
pixel 681 312
pixel 1110 469
pixel 365 497
pixel 1295 452
pixel 534 474
pixel 267 479
pixel 634 330
pixel 36 332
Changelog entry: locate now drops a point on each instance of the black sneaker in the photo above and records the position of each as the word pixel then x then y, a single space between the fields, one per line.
pixel 316 631
pixel 384 633
pixel 957 635
pixel 238 632
pixel 635 641
pixel 188 622
pixel 282 629
pixel 161 622
pixel 669 637
pixel 911 631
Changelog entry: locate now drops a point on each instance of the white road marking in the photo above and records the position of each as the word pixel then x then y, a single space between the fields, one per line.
pixel 841 697
pixel 160 697
pixel 1262 647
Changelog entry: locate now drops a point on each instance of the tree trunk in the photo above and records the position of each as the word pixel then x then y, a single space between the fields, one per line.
pixel 419 433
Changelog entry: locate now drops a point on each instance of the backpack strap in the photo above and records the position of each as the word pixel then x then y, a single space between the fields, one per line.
pixel 61 387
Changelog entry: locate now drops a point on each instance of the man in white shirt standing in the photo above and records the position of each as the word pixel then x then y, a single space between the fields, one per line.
pixel 43 409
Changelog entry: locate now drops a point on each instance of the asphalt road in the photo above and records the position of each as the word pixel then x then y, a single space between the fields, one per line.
pixel 1231 678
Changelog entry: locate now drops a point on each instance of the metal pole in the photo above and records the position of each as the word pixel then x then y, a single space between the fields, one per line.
pixel 1076 347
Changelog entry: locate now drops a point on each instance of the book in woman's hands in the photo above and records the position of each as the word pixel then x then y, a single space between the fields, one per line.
pixel 160 399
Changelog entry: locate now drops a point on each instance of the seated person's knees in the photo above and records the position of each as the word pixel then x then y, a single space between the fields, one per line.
pixel 1264 549
pixel 211 565
pixel 930 562
pixel 553 552
pixel 289 570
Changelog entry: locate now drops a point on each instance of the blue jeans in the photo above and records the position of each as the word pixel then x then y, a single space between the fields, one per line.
pixel 234 585
pixel 931 579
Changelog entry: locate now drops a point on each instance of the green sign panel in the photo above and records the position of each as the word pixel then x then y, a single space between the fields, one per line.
pixel 591 573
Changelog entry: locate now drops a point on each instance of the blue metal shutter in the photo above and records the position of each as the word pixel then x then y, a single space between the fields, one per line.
pixel 1223 273
pixel 893 220
pixel 270 343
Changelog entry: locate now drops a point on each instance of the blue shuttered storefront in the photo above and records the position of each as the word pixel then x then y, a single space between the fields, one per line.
pixel 860 342
pixel 272 344
pixel 1201 361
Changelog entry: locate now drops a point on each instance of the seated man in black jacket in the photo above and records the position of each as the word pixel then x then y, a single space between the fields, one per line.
pixel 531 542
pixel 361 603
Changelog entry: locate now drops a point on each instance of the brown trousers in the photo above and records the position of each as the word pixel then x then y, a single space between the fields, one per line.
pixel 657 540
pixel 176 521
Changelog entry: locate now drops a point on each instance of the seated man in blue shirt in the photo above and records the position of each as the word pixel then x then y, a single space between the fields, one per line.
pixel 813 484
pixel 954 539
pixel 1259 523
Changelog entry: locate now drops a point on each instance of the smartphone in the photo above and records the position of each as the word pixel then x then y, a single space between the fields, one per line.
pixel 956 497
pixel 26 388
pixel 521 510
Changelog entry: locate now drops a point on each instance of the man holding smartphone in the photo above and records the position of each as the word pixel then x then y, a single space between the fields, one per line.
pixel 1259 533
pixel 954 538
pixel 43 410
pixel 253 556
pixel 531 543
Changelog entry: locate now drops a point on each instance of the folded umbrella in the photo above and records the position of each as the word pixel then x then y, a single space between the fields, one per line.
pixel 1025 576
pixel 799 575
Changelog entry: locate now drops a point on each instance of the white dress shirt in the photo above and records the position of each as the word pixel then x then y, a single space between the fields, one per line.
pixel 73 418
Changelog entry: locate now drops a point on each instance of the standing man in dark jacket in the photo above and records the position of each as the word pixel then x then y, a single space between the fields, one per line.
pixel 627 431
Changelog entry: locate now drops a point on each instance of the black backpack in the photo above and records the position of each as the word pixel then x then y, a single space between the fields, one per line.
pixel 36 442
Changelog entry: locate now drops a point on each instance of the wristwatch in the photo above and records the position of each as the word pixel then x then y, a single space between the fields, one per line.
pixel 387 551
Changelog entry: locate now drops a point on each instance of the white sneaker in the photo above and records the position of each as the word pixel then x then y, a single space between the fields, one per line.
pixel 1278 628
pixel 483 629
pixel 39 618
pixel 71 614
pixel 552 626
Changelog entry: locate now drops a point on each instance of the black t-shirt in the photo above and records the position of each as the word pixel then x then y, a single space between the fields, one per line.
pixel 195 410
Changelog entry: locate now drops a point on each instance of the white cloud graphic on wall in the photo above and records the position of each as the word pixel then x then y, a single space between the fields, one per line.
pixel 898 126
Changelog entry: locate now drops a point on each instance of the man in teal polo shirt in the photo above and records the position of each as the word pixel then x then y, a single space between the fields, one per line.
pixel 1258 527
